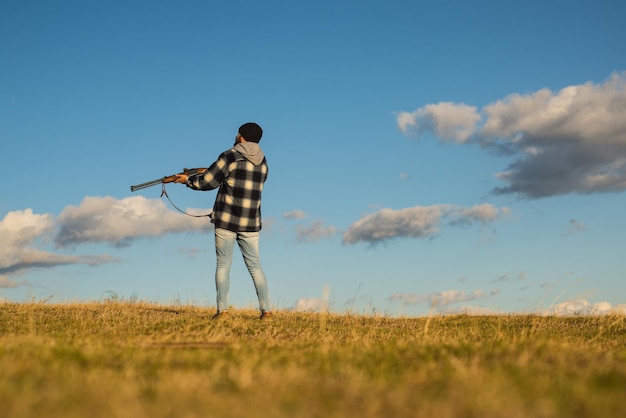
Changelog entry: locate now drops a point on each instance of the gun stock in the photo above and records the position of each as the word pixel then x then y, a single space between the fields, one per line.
pixel 167 179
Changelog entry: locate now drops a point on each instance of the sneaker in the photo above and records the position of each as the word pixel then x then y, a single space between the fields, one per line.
pixel 221 315
pixel 266 316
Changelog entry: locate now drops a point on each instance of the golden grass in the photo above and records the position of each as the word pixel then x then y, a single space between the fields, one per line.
pixel 118 359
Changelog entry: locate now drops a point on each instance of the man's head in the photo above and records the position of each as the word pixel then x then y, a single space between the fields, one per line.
pixel 251 132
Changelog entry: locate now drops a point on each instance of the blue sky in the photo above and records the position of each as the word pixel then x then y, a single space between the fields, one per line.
pixel 424 156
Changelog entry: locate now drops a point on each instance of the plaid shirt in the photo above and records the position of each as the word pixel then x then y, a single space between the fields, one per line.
pixel 238 201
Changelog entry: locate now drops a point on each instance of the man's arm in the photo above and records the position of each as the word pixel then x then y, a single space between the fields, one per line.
pixel 211 179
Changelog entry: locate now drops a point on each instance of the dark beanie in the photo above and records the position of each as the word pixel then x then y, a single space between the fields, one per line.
pixel 251 132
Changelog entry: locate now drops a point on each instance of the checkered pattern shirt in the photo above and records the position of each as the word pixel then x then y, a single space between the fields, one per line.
pixel 238 201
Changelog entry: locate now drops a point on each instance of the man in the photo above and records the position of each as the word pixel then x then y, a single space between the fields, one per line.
pixel 240 173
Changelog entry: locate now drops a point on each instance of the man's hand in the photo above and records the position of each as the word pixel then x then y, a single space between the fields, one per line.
pixel 181 178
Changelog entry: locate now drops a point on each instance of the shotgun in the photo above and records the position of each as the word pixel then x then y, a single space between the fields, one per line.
pixel 167 179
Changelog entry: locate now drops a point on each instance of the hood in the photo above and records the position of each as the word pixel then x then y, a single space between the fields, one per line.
pixel 251 151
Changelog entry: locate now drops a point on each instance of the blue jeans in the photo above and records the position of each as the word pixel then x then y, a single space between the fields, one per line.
pixel 249 245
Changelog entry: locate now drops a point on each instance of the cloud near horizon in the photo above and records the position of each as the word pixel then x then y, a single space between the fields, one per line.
pixel 440 299
pixel 96 220
pixel 584 307
pixel 444 299
pixel 570 141
pixel 310 305
pixel 21 230
pixel 418 222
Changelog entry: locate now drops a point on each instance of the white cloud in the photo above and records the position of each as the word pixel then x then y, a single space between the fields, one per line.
pixel 23 227
pixel 295 214
pixel 118 222
pixel 96 219
pixel 21 231
pixel 418 222
pixel 6 283
pixel 569 141
pixel 479 214
pixel 314 232
pixel 449 121
pixel 619 309
pixel 440 299
pixel 310 305
pixel 385 224
pixel 584 307
pixel 18 230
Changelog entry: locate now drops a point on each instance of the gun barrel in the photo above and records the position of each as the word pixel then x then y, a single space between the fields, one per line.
pixel 146 184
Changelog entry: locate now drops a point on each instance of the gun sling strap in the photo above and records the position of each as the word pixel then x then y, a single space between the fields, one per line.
pixel 164 193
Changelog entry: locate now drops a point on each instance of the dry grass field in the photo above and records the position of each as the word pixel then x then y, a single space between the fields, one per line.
pixel 120 359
